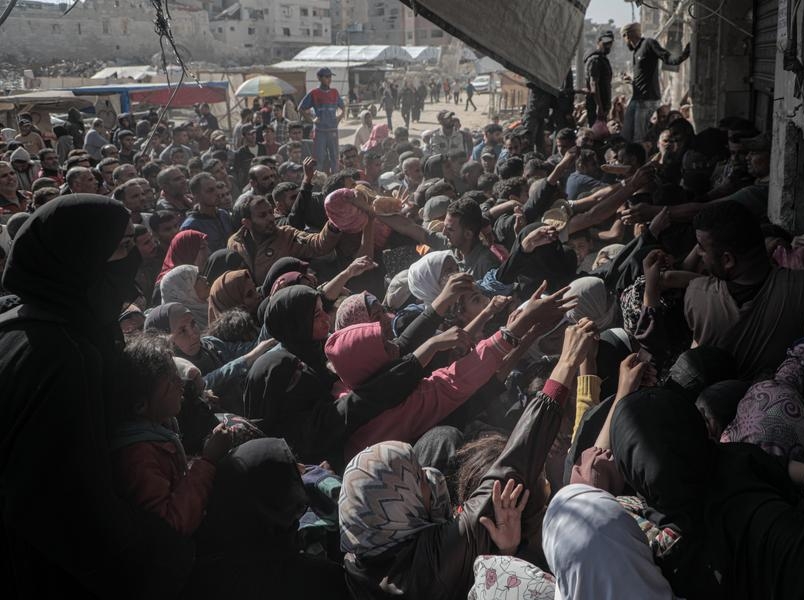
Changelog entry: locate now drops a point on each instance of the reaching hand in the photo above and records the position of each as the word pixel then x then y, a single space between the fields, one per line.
pixel 549 309
pixel 631 372
pixel 519 220
pixel 578 340
pixel 638 213
pixel 506 528
pixel 497 304
pixel 453 338
pixel 539 237
pixel 309 165
pixel 218 444
pixel 660 222
pixel 457 285
pixel 360 265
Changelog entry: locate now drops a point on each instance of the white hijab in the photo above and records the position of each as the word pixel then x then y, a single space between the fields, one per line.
pixel 178 285
pixel 596 549
pixel 424 276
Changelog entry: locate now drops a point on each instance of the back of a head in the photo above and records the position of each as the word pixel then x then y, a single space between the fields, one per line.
pixel 718 403
pixel 732 227
pixel 290 314
pixel 662 448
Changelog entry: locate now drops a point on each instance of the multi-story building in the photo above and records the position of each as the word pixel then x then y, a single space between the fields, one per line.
pixel 382 22
pixel 271 30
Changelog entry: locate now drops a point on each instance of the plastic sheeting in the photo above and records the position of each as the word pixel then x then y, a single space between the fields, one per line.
pixel 355 54
pixel 535 38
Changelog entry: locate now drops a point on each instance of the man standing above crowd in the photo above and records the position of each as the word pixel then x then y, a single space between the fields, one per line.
pixel 646 93
pixel 30 139
pixel 598 80
pixel 329 110
pixel 448 138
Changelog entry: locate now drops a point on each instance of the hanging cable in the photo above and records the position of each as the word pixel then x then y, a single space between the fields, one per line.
pixel 7 11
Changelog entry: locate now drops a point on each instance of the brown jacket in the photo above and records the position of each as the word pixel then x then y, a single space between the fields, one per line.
pixel 288 241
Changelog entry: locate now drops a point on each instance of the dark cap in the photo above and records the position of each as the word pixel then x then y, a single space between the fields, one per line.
pixel 606 36
pixel 443 115
pixel 125 133
pixel 324 72
pixel 289 166
pixel 760 143
pixel 246 129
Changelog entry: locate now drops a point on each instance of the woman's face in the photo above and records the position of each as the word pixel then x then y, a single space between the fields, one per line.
pixel 202 256
pixel 320 322
pixel 450 268
pixel 251 299
pixel 202 288
pixel 186 336
pixel 166 400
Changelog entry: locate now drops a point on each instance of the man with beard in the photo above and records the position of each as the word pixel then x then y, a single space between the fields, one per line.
pixel 261 242
pixel 448 138
pixel 598 79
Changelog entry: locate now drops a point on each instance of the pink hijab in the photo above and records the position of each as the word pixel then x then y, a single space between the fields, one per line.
pixel 378 134
pixel 356 353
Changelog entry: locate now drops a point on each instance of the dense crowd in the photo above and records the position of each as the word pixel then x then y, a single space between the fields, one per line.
pixel 559 359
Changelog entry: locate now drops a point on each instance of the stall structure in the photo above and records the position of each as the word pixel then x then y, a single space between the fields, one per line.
pixel 158 94
pixel 41 104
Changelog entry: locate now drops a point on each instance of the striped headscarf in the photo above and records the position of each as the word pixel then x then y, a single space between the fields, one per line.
pixel 381 503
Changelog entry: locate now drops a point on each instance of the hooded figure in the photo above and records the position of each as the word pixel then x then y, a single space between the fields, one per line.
pixel 425 275
pixel 178 285
pixel 183 250
pixel 363 132
pixel 221 261
pixel 731 507
pixel 378 134
pixel 58 358
pixel 250 532
pixel 597 550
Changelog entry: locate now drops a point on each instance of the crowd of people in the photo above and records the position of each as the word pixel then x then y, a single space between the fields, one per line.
pixel 565 360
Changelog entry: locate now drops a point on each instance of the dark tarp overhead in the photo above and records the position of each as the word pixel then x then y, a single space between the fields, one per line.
pixel 535 38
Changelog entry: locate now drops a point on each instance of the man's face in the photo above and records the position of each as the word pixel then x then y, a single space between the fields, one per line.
pixel 224 196
pixel 631 38
pixel 605 47
pixel 413 172
pixel 449 170
pixel 85 183
pixel 8 181
pixel 219 143
pixel 106 172
pixel 285 201
pixel 50 162
pixel 262 220
pixel 126 173
pixel 446 125
pixel 584 139
pixel 166 231
pixel 148 195
pixel 127 143
pixel 25 128
pixel 207 194
pixel 564 144
pixel 268 136
pixel 325 80
pixel 180 137
pixel 146 245
pixel 250 138
pixel 20 165
pixel 177 184
pixel 204 109
pixel 134 198
pixel 758 164
pixel 373 169
pixel 293 176
pixel 712 259
pixel 349 159
pixel 295 155
pixel 488 162
pixel 296 134
pixel 263 180
pixel 218 171
pixel 455 233
pixel 125 245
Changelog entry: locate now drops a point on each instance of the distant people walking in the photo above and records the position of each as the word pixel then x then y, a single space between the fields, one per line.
pixel 456 92
pixel 470 92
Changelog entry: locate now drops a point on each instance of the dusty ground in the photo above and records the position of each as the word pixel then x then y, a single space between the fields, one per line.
pixel 470 119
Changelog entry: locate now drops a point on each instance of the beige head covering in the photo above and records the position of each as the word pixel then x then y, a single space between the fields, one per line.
pixel 637 27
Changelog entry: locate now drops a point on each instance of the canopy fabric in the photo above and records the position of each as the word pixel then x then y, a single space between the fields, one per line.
pixel 265 86
pixel 326 54
pixel 535 38
pixel 52 100
pixel 423 53
pixel 159 93
pixel 304 65
pixel 487 65
pixel 137 73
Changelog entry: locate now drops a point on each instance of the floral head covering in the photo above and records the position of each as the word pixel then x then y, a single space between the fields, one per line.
pixel 381 503
pixel 510 578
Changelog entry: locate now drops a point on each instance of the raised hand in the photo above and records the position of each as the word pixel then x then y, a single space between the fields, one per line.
pixel 360 265
pixel 506 528
pixel 539 237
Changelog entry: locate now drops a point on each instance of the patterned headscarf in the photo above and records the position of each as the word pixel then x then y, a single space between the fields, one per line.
pixel 510 578
pixel 381 503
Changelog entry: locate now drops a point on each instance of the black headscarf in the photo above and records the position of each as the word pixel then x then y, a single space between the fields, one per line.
pixel 734 505
pixel 158 318
pixel 286 264
pixel 58 260
pixel 221 261
pixel 289 318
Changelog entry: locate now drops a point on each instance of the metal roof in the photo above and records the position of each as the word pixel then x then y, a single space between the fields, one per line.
pixel 328 54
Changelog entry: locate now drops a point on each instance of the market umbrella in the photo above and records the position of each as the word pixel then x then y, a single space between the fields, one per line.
pixel 265 85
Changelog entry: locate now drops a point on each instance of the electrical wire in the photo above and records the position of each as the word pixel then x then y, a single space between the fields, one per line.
pixel 163 29
pixel 7 11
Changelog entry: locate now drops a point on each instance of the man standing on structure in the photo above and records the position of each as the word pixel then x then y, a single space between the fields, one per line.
pixel 646 95
pixel 328 107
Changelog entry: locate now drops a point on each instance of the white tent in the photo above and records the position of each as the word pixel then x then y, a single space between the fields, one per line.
pixel 324 55
pixel 137 73
pixel 488 65
pixel 423 54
